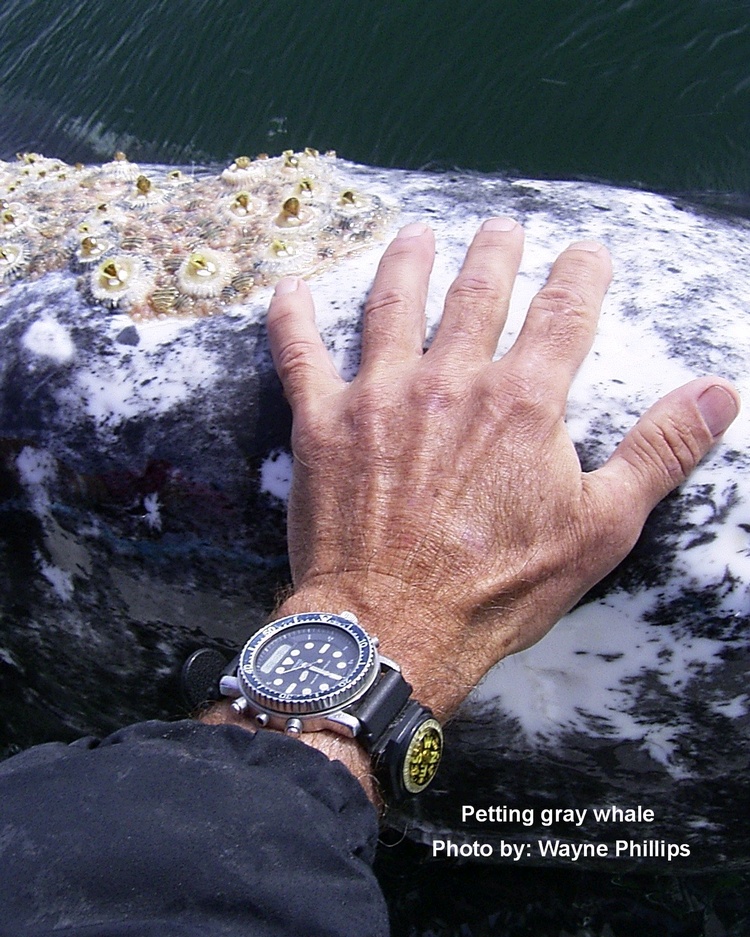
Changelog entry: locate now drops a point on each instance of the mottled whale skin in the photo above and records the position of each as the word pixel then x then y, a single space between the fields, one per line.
pixel 144 474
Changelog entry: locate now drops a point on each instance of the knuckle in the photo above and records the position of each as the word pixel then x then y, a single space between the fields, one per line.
pixel 518 396
pixel 670 447
pixel 385 300
pixel 561 300
pixel 371 413
pixel 473 288
pixel 293 361
pixel 437 390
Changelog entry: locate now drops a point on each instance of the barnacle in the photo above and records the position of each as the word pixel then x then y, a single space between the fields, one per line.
pixel 13 257
pixel 242 205
pixel 14 217
pixel 120 169
pixel 205 273
pixel 91 249
pixel 294 214
pixel 144 195
pixel 121 279
pixel 163 242
pixel 239 174
pixel 284 256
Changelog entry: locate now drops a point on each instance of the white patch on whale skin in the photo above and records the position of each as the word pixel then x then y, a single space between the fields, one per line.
pixel 46 337
pixel 276 474
pixel 734 708
pixel 584 678
pixel 152 508
pixel 139 382
pixel 60 580
pixel 37 473
pixel 36 469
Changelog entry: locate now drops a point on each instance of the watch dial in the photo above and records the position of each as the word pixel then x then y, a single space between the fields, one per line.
pixel 307 661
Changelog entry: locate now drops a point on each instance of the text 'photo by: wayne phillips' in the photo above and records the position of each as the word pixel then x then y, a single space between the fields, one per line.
pixel 146 466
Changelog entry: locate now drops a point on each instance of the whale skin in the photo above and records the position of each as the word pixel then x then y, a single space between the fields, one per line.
pixel 145 467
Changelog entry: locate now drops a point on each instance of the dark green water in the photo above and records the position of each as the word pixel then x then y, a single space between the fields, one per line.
pixel 647 92
pixel 653 93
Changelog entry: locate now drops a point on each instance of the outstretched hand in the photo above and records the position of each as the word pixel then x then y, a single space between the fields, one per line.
pixel 438 495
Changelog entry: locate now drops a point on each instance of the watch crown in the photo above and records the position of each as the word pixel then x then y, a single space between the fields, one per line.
pixel 350 616
pixel 293 727
pixel 240 705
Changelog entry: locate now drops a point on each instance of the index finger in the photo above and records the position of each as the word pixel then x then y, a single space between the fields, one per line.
pixel 394 321
pixel 299 355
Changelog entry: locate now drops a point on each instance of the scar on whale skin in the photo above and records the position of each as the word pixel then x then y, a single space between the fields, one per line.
pixel 160 242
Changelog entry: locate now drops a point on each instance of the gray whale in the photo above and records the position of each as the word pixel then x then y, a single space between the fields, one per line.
pixel 145 467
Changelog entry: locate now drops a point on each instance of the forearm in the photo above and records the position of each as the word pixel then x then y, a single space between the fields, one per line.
pixel 173 828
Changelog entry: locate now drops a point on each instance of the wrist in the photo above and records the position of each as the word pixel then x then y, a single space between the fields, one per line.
pixel 411 631
pixel 333 746
pixel 384 725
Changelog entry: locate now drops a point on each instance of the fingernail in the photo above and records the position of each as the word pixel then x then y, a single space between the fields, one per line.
pixel 501 223
pixel 718 408
pixel 412 230
pixel 592 246
pixel 287 285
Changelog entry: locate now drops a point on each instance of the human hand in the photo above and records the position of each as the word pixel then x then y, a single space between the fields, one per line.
pixel 438 495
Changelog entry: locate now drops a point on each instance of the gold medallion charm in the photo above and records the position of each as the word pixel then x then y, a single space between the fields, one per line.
pixel 423 756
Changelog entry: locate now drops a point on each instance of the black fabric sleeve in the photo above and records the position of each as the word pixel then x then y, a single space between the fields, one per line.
pixel 186 829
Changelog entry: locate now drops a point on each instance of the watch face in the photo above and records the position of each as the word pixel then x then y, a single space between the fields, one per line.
pixel 307 663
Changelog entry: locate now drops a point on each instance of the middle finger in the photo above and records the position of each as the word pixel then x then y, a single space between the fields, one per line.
pixel 476 306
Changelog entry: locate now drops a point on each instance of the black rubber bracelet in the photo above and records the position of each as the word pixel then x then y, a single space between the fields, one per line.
pixel 383 703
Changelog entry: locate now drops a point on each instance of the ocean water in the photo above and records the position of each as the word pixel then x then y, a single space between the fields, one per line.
pixel 654 93
pixel 645 93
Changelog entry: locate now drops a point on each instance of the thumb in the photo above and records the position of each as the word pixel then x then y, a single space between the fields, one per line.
pixel 667 443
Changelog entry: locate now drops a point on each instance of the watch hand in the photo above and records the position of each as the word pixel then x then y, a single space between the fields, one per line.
pixel 325 673
pixel 302 666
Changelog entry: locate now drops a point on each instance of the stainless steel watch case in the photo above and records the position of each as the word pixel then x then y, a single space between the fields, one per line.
pixel 336 714
pixel 401 736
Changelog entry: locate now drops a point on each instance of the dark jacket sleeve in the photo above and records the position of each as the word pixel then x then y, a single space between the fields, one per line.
pixel 186 829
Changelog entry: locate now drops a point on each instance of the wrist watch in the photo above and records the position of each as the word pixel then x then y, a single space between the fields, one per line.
pixel 313 671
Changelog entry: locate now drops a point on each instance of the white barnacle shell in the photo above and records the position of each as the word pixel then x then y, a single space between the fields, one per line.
pixel 121 279
pixel 351 202
pixel 296 215
pixel 175 179
pixel 241 206
pixel 205 273
pixel 287 255
pixel 103 216
pixel 302 165
pixel 143 195
pixel 120 169
pixel 13 258
pixel 14 217
pixel 242 173
pixel 91 248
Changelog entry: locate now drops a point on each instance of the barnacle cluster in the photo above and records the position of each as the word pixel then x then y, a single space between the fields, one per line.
pixel 159 241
